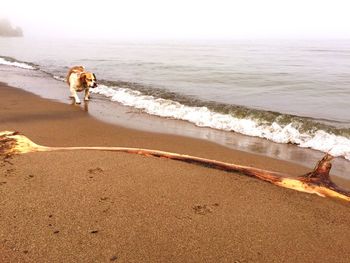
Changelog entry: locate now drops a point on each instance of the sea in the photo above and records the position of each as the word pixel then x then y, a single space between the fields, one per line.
pixel 288 99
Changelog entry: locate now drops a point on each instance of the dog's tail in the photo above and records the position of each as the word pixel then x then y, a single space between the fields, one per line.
pixel 75 69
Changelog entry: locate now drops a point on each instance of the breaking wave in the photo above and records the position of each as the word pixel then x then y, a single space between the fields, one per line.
pixel 16 63
pixel 277 127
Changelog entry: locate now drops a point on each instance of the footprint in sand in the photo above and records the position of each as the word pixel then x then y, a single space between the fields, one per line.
pixel 9 172
pixel 95 170
pixel 204 209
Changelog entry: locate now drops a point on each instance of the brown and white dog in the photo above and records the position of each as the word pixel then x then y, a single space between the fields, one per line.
pixel 80 80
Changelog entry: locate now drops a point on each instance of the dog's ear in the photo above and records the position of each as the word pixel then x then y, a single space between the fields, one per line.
pixel 82 78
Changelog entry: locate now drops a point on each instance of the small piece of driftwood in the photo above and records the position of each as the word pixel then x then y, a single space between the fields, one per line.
pixel 316 182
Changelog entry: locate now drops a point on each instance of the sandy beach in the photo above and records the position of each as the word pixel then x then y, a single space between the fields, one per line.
pixel 117 207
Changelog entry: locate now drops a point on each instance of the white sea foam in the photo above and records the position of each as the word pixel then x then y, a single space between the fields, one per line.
pixel 16 64
pixel 59 78
pixel 203 117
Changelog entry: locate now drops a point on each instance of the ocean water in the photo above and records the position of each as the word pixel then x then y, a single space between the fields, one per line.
pixel 286 91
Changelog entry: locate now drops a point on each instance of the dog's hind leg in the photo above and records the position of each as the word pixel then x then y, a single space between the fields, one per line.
pixel 74 95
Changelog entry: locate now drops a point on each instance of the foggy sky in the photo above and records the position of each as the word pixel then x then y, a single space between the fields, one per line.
pixel 180 18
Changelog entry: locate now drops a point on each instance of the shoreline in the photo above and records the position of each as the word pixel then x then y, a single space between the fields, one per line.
pixel 70 112
pixel 112 113
pixel 98 206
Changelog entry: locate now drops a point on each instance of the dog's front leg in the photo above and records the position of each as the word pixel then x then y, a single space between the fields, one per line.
pixel 87 94
pixel 74 95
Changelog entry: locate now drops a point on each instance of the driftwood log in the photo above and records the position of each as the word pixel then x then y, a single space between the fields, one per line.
pixel 316 182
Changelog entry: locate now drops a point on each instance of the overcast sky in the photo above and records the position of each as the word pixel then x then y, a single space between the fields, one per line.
pixel 181 18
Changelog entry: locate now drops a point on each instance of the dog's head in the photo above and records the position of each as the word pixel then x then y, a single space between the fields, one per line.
pixel 88 79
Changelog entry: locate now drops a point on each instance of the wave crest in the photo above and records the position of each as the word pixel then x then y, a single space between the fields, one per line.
pixel 16 63
pixel 318 139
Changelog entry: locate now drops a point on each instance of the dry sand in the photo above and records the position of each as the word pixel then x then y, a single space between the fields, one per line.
pixel 116 207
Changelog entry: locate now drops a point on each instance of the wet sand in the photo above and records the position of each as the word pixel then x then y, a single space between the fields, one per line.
pixel 104 207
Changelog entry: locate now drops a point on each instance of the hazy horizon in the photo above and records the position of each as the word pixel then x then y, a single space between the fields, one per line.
pixel 180 19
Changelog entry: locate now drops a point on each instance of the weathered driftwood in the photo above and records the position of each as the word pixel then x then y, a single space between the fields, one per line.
pixel 316 182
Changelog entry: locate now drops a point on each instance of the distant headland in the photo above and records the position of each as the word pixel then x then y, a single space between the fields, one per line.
pixel 6 29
